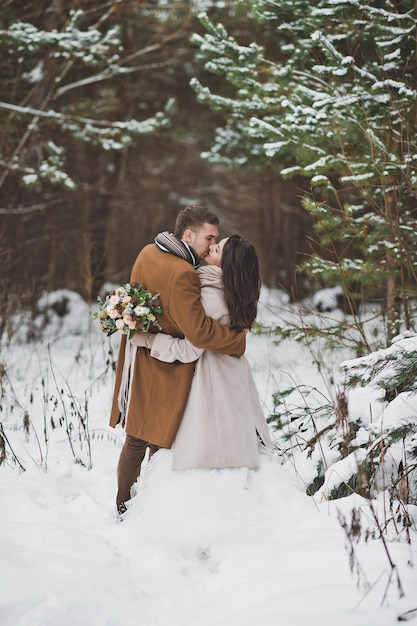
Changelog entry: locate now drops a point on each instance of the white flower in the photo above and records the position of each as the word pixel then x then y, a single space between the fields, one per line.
pixel 141 310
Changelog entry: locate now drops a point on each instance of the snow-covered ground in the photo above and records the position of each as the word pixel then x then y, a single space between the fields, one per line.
pixel 196 548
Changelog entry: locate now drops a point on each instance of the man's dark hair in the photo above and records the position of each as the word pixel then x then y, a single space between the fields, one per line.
pixel 193 217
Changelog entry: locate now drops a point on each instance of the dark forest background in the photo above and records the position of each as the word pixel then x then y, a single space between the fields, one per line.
pixel 52 237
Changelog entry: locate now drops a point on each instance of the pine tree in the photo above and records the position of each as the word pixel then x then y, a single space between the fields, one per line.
pixel 332 97
pixel 392 371
pixel 80 94
pixel 55 57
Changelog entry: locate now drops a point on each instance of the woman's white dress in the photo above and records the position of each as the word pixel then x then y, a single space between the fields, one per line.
pixel 223 423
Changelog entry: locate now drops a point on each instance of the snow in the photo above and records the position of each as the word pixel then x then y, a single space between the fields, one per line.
pixel 204 548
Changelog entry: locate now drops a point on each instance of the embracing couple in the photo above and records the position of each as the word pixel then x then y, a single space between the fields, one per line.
pixel 190 386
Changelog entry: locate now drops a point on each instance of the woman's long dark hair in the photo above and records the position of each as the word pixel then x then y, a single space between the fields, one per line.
pixel 241 280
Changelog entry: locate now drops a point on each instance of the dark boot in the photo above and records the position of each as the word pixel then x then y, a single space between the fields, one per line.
pixel 128 469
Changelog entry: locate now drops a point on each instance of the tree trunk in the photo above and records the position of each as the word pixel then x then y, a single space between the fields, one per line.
pixel 393 288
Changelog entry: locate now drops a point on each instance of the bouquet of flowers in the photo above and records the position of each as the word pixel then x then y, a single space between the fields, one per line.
pixel 129 309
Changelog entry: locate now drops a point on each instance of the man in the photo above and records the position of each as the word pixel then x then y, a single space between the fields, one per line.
pixel 159 391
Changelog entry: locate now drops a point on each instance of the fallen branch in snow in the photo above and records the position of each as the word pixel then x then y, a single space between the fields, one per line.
pixel 405 617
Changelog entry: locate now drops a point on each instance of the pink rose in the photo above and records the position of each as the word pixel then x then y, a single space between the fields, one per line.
pixel 113 313
pixel 119 324
pixel 114 300
pixel 127 319
pixel 127 299
pixel 132 325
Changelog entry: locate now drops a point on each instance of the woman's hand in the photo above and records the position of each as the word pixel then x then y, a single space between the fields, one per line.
pixel 143 340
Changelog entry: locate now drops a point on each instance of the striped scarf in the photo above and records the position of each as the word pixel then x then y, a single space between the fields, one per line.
pixel 168 242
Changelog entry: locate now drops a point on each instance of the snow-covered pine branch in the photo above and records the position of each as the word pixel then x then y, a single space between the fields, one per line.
pixel 58 62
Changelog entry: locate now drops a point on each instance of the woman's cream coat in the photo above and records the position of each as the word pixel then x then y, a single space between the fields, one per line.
pixel 223 414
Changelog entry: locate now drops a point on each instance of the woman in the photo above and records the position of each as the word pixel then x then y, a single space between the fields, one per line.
pixel 223 423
